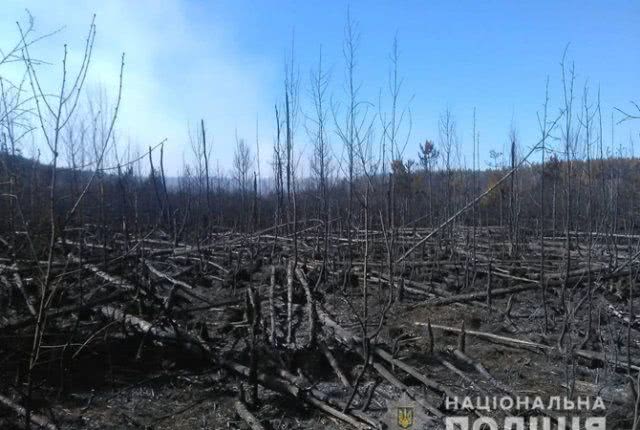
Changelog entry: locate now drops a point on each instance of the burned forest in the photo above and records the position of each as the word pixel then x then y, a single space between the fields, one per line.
pixel 358 276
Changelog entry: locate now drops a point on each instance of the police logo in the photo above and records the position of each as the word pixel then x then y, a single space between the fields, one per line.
pixel 405 417
pixel 405 414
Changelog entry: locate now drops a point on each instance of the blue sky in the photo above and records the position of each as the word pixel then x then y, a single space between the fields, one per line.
pixel 223 61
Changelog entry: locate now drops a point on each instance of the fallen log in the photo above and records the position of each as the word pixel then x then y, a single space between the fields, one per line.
pixel 66 310
pixel 120 282
pixel 538 347
pixel 446 363
pixel 386 374
pixel 243 412
pixel 183 286
pixel 285 387
pixel 352 340
pixel 428 382
pixel 164 276
pixel 161 335
pixel 203 261
pixel 85 244
pixel 504 340
pixel 197 346
pixel 624 317
pixel 304 384
pixel 551 282
pixel 407 285
pixel 334 365
pixel 479 367
pixel 484 372
pixel 39 420
pixel 479 295
pixel 27 298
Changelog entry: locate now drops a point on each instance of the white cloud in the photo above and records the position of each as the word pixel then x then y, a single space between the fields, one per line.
pixel 176 72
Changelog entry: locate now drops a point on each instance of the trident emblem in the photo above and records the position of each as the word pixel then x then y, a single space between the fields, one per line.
pixel 405 417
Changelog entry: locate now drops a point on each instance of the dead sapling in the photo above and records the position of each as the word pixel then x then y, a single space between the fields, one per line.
pixel 489 282
pixel 431 341
pixel 272 310
pixel 252 306
pixel 462 338
pixel 290 302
